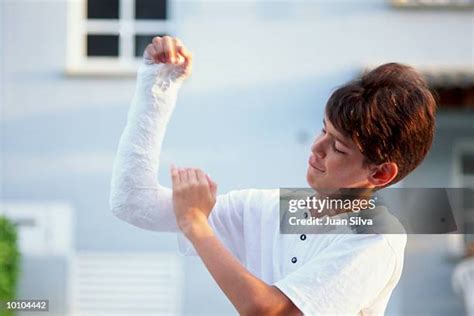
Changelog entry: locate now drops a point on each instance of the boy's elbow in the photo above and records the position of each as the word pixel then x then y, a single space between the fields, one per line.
pixel 126 214
pixel 251 309
pixel 118 201
pixel 119 212
pixel 272 307
pixel 260 309
pixel 118 207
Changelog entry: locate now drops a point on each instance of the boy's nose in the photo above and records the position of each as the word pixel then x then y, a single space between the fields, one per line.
pixel 318 149
pixel 320 154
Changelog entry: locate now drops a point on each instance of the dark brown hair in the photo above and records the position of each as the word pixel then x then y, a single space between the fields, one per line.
pixel 389 113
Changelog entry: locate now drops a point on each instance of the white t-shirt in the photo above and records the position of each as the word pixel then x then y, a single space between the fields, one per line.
pixel 323 274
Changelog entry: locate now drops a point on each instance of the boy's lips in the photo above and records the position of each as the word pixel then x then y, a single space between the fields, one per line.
pixel 312 163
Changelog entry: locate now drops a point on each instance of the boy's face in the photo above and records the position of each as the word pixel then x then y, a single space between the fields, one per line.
pixel 336 162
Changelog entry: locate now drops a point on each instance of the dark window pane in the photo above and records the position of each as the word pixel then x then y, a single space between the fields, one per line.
pixel 467 162
pixel 102 9
pixel 141 41
pixel 150 9
pixel 102 45
pixel 468 199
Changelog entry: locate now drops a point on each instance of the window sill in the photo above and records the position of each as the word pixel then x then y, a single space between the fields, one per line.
pixel 105 68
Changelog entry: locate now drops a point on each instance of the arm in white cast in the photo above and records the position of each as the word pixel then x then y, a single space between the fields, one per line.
pixel 136 196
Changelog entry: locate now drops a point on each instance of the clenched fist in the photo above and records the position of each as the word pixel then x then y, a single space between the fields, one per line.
pixel 169 50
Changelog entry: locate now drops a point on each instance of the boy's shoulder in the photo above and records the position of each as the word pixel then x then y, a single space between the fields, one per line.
pixel 397 242
pixel 388 243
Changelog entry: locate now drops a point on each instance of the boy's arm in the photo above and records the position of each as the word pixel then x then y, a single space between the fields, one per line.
pixel 136 196
pixel 193 201
pixel 249 294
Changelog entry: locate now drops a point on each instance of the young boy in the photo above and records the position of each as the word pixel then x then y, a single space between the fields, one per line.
pixel 377 129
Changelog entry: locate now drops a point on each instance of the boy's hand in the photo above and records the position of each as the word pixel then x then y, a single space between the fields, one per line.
pixel 169 50
pixel 194 196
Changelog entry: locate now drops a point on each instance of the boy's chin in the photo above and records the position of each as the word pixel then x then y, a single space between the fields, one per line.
pixel 313 183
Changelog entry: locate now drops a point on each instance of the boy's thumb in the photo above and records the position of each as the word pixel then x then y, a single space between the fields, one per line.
pixel 212 185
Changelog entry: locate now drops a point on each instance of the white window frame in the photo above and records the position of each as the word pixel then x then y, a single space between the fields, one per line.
pixel 126 27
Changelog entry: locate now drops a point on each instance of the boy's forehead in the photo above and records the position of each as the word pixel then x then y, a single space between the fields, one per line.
pixel 337 134
pixel 346 140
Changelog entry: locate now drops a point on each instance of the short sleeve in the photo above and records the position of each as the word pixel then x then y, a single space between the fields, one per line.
pixel 344 279
pixel 227 220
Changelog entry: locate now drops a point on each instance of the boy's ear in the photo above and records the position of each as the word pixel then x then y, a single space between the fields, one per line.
pixel 382 174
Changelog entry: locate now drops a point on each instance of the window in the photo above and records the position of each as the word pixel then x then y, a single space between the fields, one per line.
pixel 464 178
pixel 109 36
pixel 103 9
pixel 150 9
pixel 102 45
pixel 467 163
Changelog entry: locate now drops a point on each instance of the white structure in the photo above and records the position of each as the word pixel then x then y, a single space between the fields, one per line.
pixel 463 283
pixel 44 228
pixel 125 284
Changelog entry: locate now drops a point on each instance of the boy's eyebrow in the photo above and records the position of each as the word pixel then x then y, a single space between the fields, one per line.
pixel 339 140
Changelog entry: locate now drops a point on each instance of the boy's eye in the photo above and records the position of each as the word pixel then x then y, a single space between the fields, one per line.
pixel 336 150
pixel 323 131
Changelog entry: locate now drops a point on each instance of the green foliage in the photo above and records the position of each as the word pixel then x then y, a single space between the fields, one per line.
pixel 9 263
